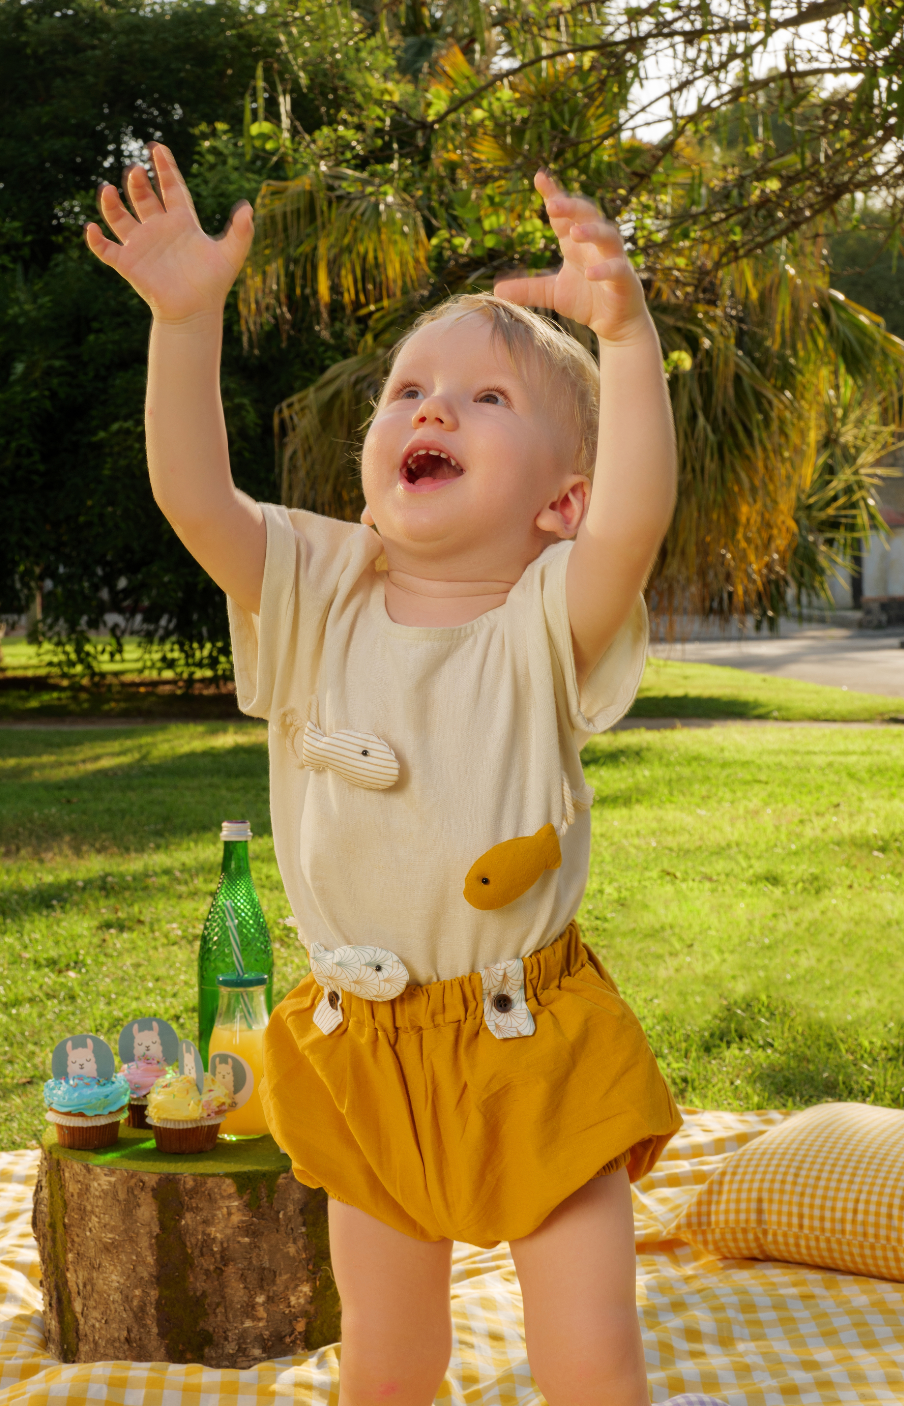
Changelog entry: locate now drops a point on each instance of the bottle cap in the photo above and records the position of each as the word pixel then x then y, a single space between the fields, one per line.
pixel 235 830
pixel 242 983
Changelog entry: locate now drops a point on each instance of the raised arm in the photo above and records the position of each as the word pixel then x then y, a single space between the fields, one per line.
pixel 184 277
pixel 634 480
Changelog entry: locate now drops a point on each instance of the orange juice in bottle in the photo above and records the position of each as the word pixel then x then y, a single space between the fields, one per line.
pixel 236 1050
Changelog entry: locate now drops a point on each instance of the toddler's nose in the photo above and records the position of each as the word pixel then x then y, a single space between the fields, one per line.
pixel 435 410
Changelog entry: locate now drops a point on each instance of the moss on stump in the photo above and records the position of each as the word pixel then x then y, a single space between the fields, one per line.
pixel 221 1258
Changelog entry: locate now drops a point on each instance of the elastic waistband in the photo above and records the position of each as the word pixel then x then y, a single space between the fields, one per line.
pixel 461 998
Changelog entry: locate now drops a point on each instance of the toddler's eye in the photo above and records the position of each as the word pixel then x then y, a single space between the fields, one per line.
pixel 409 393
pixel 491 398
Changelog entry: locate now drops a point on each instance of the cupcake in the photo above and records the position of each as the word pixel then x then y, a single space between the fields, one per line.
pixel 141 1075
pixel 184 1119
pixel 87 1110
pixel 147 1046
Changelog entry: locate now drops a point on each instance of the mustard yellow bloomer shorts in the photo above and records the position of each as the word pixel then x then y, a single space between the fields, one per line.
pixel 416 1113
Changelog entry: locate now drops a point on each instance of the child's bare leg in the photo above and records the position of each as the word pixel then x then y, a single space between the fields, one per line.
pixel 396 1315
pixel 577 1276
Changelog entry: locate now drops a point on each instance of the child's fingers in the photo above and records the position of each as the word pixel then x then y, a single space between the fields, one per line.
pixel 532 290
pixel 564 209
pixel 576 208
pixel 107 250
pixel 608 269
pixel 599 232
pixel 546 183
pixel 119 219
pixel 140 193
pixel 238 231
pixel 170 181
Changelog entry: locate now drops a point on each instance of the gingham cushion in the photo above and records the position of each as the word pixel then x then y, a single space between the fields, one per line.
pixel 825 1188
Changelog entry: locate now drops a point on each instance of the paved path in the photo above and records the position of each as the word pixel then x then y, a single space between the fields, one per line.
pixel 868 661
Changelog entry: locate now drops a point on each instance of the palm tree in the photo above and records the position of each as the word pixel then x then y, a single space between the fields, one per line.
pixel 785 395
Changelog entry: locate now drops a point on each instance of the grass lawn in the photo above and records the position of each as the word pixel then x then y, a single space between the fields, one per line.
pixel 675 690
pixel 745 891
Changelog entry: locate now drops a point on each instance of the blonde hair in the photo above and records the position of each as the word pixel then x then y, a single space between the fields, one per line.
pixel 559 355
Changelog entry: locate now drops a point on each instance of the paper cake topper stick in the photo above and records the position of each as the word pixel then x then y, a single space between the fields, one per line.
pixel 148 1037
pixel 82 1057
pixel 190 1063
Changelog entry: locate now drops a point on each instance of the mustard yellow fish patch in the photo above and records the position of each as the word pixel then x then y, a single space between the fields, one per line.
pixel 511 868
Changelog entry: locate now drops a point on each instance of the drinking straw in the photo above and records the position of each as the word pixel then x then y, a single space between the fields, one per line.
pixel 233 927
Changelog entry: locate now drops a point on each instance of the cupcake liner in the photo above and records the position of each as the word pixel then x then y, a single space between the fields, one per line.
pixel 81 1120
pixel 136 1098
pixel 187 1137
pixel 185 1122
pixel 138 1114
pixel 86 1134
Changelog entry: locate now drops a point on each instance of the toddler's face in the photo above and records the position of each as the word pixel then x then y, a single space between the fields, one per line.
pixel 464 447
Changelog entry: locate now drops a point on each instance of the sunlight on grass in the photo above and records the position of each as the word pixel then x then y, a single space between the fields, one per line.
pixel 677 690
pixel 757 872
pixel 22 657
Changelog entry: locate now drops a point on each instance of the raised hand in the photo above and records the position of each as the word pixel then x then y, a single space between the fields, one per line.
pixel 179 271
pixel 596 284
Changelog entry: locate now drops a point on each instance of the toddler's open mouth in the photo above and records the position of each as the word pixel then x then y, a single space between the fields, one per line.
pixel 424 469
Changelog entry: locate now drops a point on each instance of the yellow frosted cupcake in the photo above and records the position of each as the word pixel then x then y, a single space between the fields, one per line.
pixel 183 1119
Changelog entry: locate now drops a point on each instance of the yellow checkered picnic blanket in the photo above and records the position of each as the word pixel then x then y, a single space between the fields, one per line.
pixel 755 1334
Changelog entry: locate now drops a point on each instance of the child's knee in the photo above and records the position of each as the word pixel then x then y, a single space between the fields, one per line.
pixel 402 1374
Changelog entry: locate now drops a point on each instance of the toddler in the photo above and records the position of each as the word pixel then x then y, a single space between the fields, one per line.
pixel 458 1065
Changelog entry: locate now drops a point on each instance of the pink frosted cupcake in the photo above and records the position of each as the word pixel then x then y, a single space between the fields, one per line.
pixel 141 1075
pixel 147 1046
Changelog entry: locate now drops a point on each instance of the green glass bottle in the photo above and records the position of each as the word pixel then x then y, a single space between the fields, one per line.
pixel 216 953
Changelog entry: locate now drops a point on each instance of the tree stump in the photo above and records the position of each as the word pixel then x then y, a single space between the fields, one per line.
pixel 220 1258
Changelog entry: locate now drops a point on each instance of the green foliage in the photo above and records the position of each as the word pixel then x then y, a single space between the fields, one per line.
pixel 784 395
pixel 395 145
pixel 83 87
pixel 81 90
pixel 867 267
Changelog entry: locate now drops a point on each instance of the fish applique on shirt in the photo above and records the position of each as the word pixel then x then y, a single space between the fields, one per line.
pixel 512 867
pixel 509 869
pixel 370 972
pixel 361 758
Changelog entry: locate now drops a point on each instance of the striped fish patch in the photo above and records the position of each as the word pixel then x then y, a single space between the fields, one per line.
pixel 359 757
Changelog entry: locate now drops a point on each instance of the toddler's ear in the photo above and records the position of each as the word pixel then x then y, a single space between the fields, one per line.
pixel 565 514
pixel 367 518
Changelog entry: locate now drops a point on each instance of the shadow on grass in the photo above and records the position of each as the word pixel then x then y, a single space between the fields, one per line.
pixel 44 698
pixel 767 1054
pixel 127 791
pixel 696 706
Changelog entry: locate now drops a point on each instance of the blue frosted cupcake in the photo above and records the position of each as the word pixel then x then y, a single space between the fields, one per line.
pixel 87 1110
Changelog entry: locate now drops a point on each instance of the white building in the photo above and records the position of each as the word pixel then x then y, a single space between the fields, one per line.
pixel 878 586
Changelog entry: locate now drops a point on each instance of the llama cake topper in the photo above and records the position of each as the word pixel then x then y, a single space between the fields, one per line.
pixel 190 1063
pixel 149 1037
pixel 82 1057
pixel 235 1074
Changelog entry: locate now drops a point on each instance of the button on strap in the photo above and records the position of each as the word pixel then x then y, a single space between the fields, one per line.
pixel 328 1015
pixel 505 1008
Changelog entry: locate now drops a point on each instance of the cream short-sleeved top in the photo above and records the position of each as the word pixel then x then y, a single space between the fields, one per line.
pixel 484 719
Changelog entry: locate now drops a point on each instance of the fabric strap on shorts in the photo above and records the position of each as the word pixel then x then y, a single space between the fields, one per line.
pixel 505 1011
pixel 363 971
